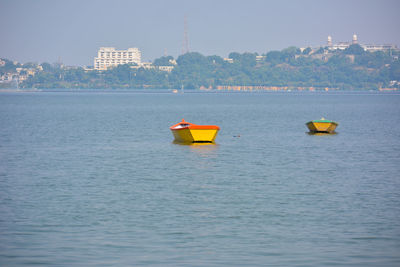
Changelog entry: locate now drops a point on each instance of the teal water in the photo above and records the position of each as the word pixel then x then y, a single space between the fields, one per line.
pixel 93 179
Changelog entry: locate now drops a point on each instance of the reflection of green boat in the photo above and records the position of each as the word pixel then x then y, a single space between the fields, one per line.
pixel 322 126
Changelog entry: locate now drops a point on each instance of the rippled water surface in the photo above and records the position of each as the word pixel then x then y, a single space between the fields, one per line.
pixel 93 179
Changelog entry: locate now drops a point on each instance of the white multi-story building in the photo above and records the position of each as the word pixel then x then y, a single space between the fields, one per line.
pixel 374 48
pixel 109 57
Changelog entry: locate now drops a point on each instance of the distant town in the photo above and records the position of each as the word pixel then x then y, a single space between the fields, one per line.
pixel 333 66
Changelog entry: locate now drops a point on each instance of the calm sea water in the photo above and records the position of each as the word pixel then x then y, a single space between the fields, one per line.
pixel 93 179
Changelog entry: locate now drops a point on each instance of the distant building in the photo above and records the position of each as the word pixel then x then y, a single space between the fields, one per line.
pixel 374 48
pixel 366 47
pixel 340 45
pixel 166 68
pixel 329 41
pixel 144 65
pixel 355 41
pixel 150 66
pixel 260 58
pixel 109 57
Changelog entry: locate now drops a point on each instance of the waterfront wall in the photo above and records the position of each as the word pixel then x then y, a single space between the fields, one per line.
pixel 271 88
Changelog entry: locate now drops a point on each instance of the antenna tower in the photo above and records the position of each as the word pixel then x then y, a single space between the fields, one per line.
pixel 59 62
pixel 185 45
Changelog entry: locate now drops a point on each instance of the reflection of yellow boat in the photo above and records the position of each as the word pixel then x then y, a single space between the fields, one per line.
pixel 321 133
pixel 322 126
pixel 187 132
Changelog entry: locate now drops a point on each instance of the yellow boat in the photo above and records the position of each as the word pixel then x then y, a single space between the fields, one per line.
pixel 322 126
pixel 187 132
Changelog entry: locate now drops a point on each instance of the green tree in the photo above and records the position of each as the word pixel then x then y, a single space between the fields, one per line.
pixel 216 60
pixel 354 49
pixel 47 67
pixel 29 65
pixel 274 57
pixel 320 50
pixel 8 67
pixel 395 71
pixel 234 55
pixel 307 51
pixel 194 70
pixel 163 61
pixel 248 59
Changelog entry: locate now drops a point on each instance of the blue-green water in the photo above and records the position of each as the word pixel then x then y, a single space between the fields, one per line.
pixel 93 179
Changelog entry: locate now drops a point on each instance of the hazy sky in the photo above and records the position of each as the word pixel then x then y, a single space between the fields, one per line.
pixel 73 30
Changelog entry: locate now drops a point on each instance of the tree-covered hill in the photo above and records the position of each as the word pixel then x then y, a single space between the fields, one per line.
pixel 350 69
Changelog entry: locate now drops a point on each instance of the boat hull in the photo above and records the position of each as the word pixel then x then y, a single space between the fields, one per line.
pixel 187 135
pixel 321 127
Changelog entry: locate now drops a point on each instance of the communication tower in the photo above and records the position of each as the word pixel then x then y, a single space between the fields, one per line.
pixel 185 45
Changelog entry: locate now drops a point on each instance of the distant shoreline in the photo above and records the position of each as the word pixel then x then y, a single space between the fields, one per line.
pixel 198 91
pixel 19 90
